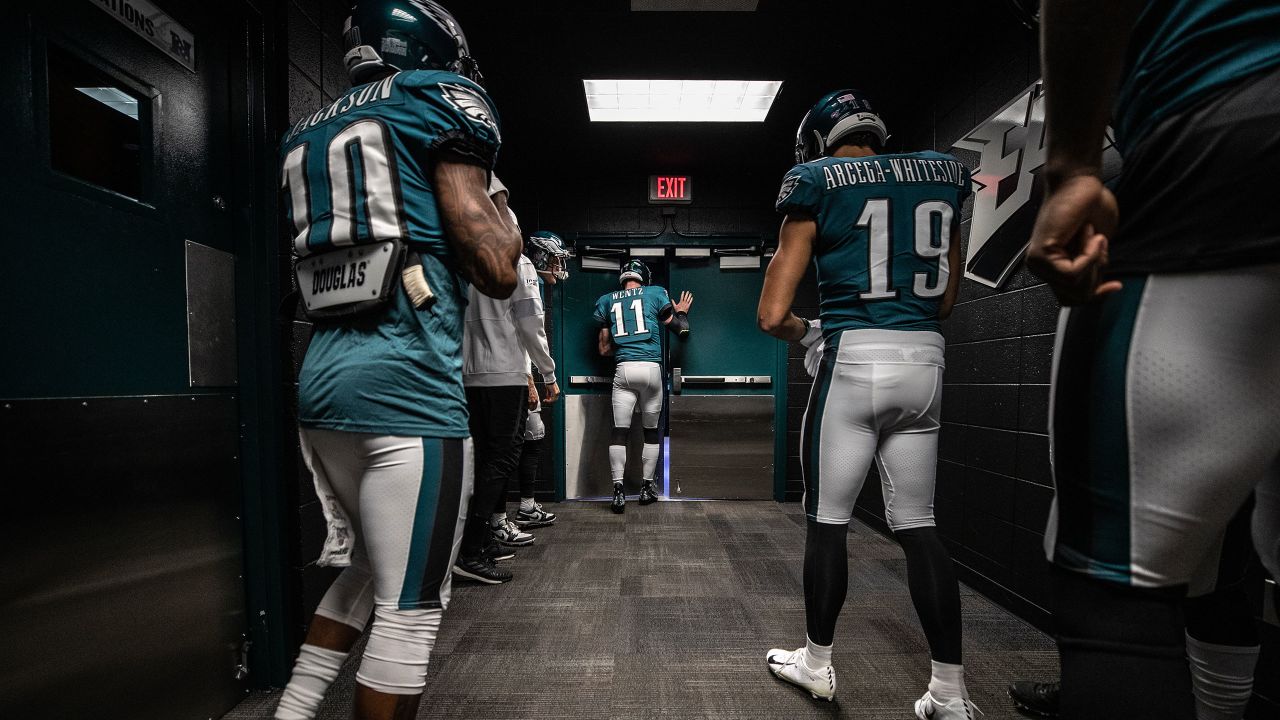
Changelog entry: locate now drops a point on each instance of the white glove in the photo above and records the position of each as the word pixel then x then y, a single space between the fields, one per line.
pixel 496 186
pixel 813 343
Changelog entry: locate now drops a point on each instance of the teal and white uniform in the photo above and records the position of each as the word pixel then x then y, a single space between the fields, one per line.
pixel 885 224
pixel 381 405
pixel 634 319
pixel 1165 398
pixel 358 172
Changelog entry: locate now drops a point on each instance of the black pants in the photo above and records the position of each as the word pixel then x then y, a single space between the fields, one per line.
pixel 497 430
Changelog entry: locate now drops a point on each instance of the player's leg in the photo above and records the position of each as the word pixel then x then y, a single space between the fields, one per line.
pixel 909 409
pixel 838 442
pixel 504 531
pixel 414 499
pixel 345 608
pixel 531 514
pixel 650 398
pixel 1163 418
pixel 624 401
pixel 1266 524
pixel 493 421
pixel 1222 639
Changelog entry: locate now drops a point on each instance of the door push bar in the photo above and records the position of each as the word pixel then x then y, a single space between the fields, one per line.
pixel 679 380
pixel 590 380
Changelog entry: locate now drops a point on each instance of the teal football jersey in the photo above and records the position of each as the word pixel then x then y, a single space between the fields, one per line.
pixel 884 228
pixel 632 319
pixel 1181 51
pixel 360 171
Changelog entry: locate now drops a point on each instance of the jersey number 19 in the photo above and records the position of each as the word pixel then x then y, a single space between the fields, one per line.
pixel 875 220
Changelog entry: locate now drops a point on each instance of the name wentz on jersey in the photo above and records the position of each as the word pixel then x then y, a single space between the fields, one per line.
pixel 356 174
pixel 885 224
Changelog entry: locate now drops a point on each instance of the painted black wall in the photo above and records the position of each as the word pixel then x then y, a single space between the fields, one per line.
pixel 315 76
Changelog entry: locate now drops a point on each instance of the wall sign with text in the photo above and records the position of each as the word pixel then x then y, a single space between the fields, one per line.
pixel 155 27
pixel 670 189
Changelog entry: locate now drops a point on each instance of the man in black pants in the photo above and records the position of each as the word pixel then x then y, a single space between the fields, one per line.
pixel 1165 405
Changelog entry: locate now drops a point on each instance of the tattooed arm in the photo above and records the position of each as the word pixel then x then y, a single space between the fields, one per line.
pixel 486 242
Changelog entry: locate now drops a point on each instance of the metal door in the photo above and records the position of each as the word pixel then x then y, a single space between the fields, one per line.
pixel 121 417
pixel 725 380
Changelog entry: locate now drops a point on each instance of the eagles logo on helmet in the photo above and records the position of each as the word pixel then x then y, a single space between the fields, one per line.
pixel 392 35
pixel 838 115
pixel 544 247
pixel 634 270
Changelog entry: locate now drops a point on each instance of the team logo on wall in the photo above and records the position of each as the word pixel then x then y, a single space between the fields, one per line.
pixel 469 103
pixel 1008 187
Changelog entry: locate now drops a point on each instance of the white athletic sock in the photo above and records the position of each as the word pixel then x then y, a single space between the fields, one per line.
pixel 497 520
pixel 1222 678
pixel 816 656
pixel 947 682
pixel 649 458
pixel 618 461
pixel 314 672
pixel 527 504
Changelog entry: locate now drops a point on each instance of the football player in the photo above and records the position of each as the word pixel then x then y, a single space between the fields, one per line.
pixel 547 254
pixel 1165 402
pixel 629 320
pixel 386 194
pixel 883 232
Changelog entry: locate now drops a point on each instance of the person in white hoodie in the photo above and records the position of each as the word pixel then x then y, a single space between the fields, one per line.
pixel 500 340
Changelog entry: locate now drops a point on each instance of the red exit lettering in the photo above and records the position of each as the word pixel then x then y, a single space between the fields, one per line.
pixel 671 188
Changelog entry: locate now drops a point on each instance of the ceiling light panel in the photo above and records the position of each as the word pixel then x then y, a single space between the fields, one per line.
pixel 680 100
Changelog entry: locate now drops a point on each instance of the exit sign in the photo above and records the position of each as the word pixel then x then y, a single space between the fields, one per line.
pixel 665 189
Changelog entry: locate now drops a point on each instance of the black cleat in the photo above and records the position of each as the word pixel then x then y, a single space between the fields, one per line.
pixel 649 492
pixel 480 569
pixel 619 499
pixel 1036 697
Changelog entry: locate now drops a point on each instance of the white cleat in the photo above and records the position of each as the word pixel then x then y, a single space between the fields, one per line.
pixel 928 708
pixel 789 665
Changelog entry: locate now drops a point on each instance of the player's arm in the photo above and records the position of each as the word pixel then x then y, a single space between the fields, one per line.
pixel 484 239
pixel 676 315
pixel 955 272
pixel 604 343
pixel 1083 49
pixel 786 270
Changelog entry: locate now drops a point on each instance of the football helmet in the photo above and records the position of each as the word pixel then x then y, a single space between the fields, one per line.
pixel 547 252
pixel 837 115
pixel 634 270
pixel 393 35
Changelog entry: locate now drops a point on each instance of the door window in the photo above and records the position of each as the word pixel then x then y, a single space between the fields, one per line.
pixel 97 126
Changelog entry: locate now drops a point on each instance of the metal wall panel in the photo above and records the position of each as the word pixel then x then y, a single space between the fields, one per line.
pixel 588 424
pixel 122 558
pixel 211 316
pixel 722 446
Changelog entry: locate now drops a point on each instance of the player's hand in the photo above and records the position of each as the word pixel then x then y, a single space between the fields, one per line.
pixel 552 392
pixel 533 394
pixel 686 299
pixel 1069 242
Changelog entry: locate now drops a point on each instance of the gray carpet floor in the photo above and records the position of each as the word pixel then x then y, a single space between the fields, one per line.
pixel 667 611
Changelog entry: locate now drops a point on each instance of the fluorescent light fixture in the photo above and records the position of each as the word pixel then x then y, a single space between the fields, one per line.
pixel 680 100
pixel 599 263
pixel 115 99
pixel 693 252
pixel 739 262
pixel 648 252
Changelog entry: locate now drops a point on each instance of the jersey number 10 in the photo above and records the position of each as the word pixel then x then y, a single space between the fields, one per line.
pixel 620 328
pixel 875 220
pixel 378 195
